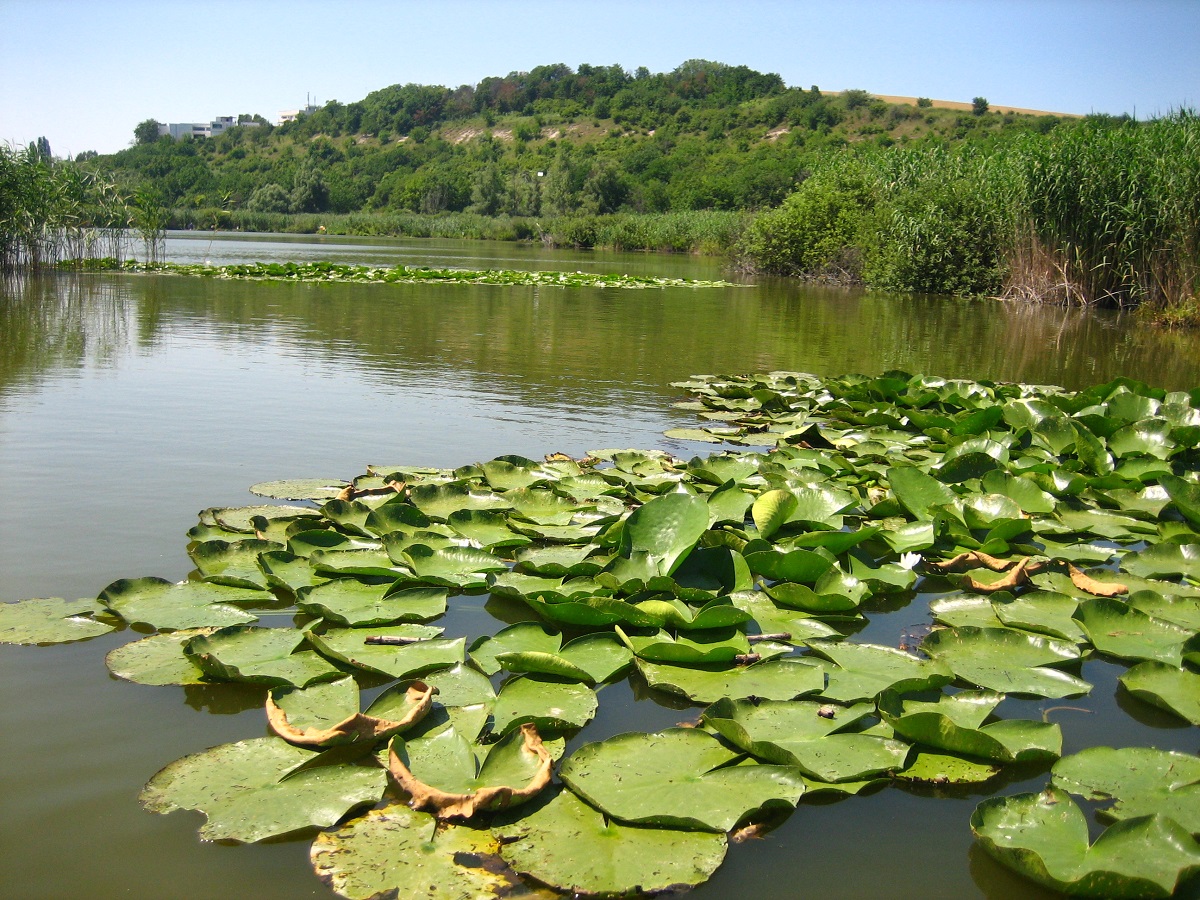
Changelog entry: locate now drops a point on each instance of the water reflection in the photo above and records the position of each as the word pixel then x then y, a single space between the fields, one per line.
pixel 127 403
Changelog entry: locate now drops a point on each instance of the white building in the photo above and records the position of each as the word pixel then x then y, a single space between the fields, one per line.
pixel 217 126
pixel 291 115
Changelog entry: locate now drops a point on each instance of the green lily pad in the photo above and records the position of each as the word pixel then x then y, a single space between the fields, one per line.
pixel 919 493
pixel 285 571
pixel 771 510
pixel 955 723
pixel 300 488
pixel 1167 687
pixel 258 655
pixel 234 563
pixel 940 768
pixel 1141 781
pixel 666 528
pixel 520 638
pixel 1044 612
pixel 348 601
pixel 245 791
pixel 773 620
pixel 771 679
pixel 348 645
pixel 805 734
pixel 486 529
pixel 158 659
pixel 461 685
pixel 1007 661
pixel 548 704
pixel 697 648
pixel 679 778
pixel 592 658
pixel 171 607
pixel 1044 837
pixel 50 620
pixel 863 671
pixel 1119 629
pixel 400 852
pixel 1182 611
pixel 439 501
pixel 607 858
pixel 964 609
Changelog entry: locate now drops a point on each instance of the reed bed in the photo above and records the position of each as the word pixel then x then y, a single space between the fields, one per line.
pixel 52 210
pixel 1096 212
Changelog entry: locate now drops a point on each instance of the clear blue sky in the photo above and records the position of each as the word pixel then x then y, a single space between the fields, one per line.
pixel 85 72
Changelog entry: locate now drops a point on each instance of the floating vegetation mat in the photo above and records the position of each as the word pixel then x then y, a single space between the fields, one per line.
pixel 323 272
pixel 1053 527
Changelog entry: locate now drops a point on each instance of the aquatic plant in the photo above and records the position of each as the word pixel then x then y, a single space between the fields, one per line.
pixel 1054 525
pixel 1094 212
pixel 52 210
pixel 336 272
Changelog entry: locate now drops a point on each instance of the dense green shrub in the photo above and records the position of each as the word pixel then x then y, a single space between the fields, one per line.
pixel 934 239
pixel 817 232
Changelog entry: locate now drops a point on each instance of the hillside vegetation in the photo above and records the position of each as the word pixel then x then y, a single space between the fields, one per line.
pixel 550 142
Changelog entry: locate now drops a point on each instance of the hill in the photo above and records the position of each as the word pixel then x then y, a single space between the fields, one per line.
pixel 550 142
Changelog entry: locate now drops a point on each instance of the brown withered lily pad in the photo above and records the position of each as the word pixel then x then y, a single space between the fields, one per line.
pixel 444 774
pixel 303 717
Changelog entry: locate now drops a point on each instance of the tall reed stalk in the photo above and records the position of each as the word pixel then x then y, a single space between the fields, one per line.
pixel 51 211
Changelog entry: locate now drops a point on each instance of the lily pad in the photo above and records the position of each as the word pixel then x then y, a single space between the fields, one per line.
pixel 1140 780
pixel 445 774
pixel 158 659
pixel 548 704
pixel 607 858
pixel 349 645
pixel 666 528
pixel 1044 837
pixel 326 715
pixel 809 736
pixel 258 655
pixel 955 723
pixel 1007 661
pixel 863 671
pixel 245 791
pixel 401 852
pixel 50 620
pixel 771 679
pixel 1119 629
pixel 300 488
pixel 348 601
pixel 171 607
pixel 679 778
pixel 519 638
pixel 1167 687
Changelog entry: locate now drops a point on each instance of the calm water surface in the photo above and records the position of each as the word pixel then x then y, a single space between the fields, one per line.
pixel 129 403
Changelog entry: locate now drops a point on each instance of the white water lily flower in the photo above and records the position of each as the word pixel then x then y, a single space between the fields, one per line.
pixel 910 560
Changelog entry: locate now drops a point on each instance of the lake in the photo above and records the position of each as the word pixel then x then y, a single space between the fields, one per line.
pixel 128 403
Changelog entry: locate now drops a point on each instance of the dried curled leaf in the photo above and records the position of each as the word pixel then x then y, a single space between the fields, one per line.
pixel 359 726
pixel 444 804
pixel 1086 582
pixel 970 560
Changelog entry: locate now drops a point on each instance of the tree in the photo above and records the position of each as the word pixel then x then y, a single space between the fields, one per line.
pixel 979 106
pixel 43 149
pixel 270 197
pixel 309 192
pixel 146 132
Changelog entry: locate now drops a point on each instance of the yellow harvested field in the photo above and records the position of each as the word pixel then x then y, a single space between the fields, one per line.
pixel 966 107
